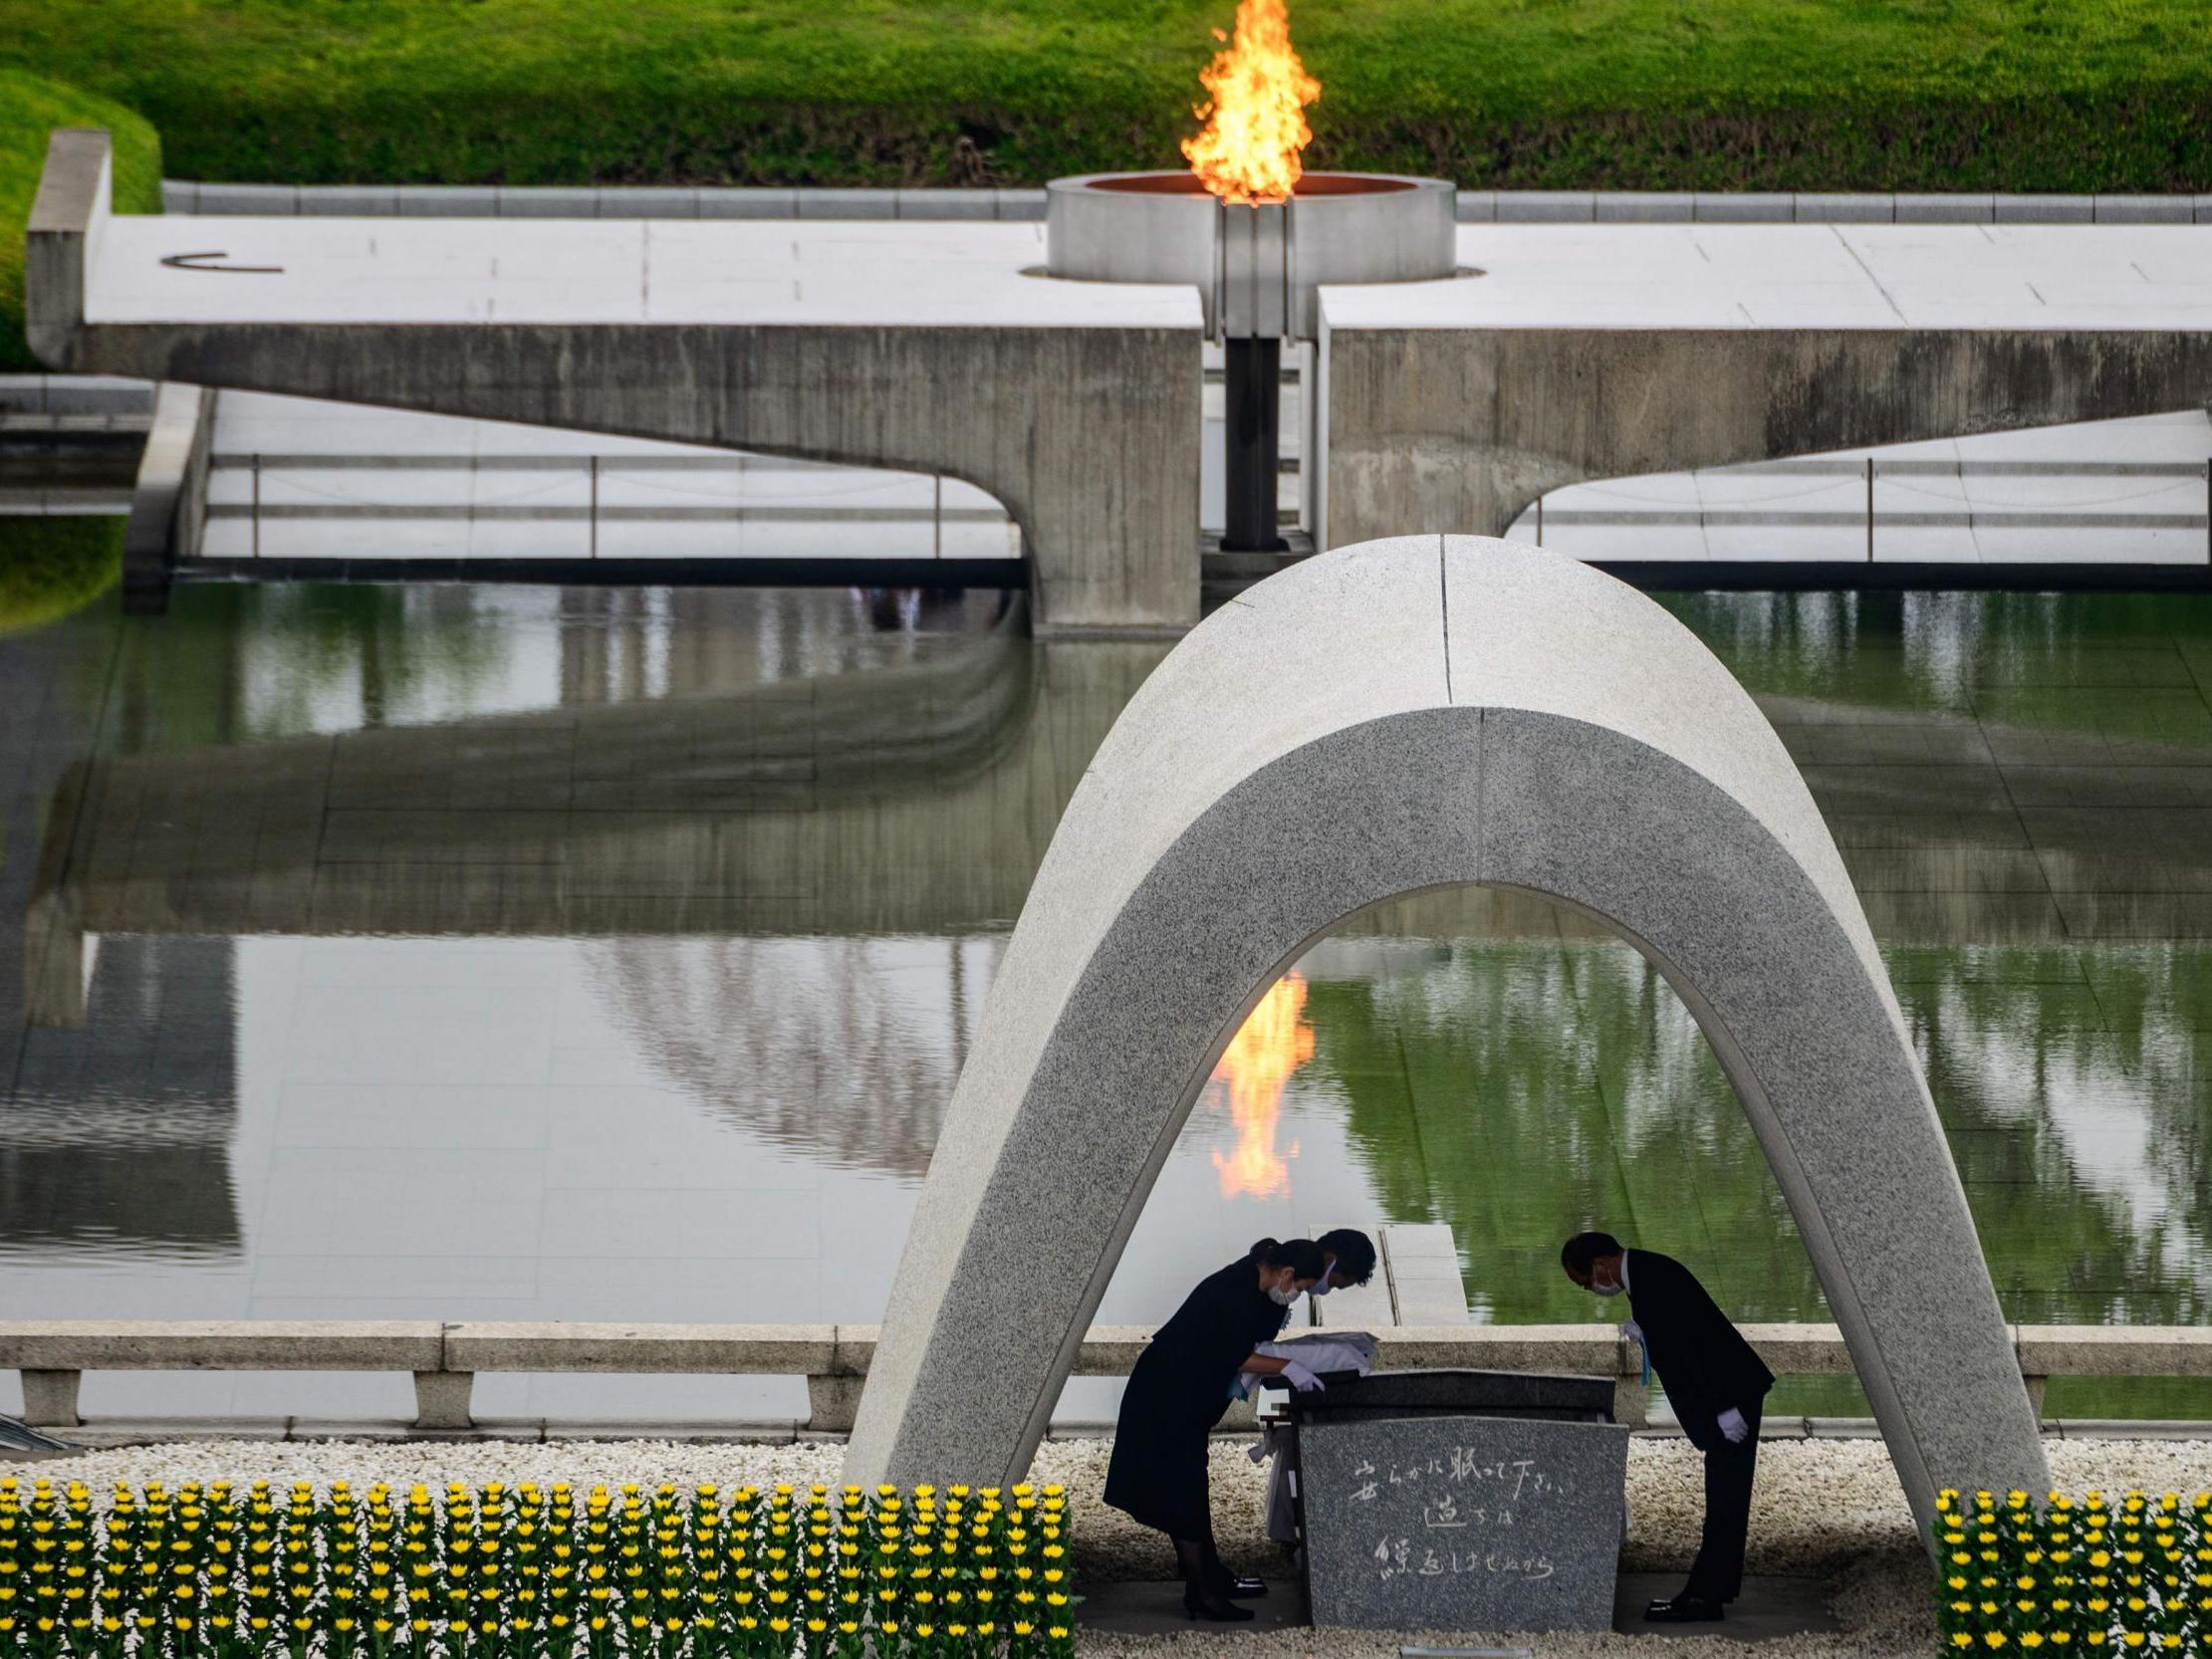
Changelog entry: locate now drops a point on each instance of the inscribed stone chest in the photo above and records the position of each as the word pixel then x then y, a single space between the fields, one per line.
pixel 1437 1523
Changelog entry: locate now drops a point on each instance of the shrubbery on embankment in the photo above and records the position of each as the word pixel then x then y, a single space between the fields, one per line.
pixel 51 566
pixel 1751 94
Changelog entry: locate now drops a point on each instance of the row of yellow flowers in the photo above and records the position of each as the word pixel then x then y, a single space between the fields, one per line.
pixel 2067 1577
pixel 206 1572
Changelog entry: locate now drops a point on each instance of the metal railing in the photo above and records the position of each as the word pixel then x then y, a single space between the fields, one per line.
pixel 1869 515
pixel 584 475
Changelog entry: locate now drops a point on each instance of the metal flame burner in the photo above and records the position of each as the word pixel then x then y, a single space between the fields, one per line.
pixel 1258 270
pixel 1257 266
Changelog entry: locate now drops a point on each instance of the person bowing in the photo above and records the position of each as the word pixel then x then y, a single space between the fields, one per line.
pixel 1716 1385
pixel 1178 1390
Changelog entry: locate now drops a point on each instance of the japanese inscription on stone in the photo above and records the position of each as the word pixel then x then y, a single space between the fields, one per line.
pixel 1433 1523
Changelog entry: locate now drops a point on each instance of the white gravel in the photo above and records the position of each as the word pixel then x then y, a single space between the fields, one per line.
pixel 1826 1508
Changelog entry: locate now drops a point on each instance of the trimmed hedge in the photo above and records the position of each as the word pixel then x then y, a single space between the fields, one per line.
pixel 2003 94
pixel 523 1572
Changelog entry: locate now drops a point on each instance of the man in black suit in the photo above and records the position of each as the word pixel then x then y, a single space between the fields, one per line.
pixel 1716 1385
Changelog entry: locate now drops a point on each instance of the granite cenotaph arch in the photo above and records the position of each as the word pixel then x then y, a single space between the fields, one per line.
pixel 1387 718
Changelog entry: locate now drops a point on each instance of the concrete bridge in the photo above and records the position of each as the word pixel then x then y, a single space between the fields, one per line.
pixel 1569 351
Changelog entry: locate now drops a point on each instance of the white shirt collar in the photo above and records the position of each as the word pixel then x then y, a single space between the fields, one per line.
pixel 1625 1290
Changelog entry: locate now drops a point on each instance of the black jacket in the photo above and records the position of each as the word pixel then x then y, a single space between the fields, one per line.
pixel 1177 1390
pixel 1701 1359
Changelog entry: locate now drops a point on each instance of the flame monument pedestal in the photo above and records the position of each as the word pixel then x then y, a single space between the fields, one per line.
pixel 1258 268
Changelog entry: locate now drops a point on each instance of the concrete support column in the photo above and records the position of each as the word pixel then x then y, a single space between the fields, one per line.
pixel 1631 1399
pixel 50 1398
pixel 832 1403
pixel 441 1399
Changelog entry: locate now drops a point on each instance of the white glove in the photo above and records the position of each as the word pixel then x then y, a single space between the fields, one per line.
pixel 1732 1425
pixel 1299 1377
pixel 1633 1331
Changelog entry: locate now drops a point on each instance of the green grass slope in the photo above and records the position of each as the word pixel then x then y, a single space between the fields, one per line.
pixel 2013 95
pixel 52 566
pixel 30 108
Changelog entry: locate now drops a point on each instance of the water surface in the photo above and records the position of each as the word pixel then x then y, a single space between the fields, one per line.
pixel 534 953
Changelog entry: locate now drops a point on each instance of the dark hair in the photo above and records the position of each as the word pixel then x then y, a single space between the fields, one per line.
pixel 1302 1255
pixel 1354 1253
pixel 1583 1248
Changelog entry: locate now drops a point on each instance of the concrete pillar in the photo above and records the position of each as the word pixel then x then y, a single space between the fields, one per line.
pixel 441 1399
pixel 50 1398
pixel 832 1402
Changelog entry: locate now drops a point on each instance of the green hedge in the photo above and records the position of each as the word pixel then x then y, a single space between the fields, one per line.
pixel 523 1572
pixel 2008 95
pixel 52 566
pixel 30 108
pixel 2068 1577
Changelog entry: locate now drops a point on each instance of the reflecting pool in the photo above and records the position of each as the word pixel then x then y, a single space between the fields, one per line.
pixel 598 953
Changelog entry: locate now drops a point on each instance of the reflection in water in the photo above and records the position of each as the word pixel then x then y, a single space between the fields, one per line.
pixel 1268 1047
pixel 568 899
pixel 115 1146
pixel 1513 1088
pixel 845 1050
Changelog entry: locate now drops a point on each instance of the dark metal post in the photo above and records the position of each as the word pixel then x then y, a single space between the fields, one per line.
pixel 1254 417
pixel 1870 509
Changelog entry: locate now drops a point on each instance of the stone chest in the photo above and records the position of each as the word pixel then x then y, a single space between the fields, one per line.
pixel 1461 1501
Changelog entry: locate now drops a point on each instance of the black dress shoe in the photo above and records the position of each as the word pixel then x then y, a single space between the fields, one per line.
pixel 1683 1609
pixel 1213 1610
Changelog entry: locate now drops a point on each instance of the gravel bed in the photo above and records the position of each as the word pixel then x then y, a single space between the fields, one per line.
pixel 1827 1508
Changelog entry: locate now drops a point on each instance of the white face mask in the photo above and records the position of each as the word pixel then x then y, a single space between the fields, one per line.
pixel 1322 1286
pixel 1604 1288
pixel 1282 1294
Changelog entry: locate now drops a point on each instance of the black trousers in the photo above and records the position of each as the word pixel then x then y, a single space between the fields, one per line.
pixel 1718 1573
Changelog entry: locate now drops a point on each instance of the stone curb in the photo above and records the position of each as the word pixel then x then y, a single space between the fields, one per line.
pixel 1474 207
pixel 498 201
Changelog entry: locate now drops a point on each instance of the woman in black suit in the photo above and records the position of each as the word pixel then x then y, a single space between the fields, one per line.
pixel 1179 1388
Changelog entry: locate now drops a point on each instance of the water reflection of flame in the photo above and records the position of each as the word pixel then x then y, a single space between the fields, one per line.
pixel 1273 1044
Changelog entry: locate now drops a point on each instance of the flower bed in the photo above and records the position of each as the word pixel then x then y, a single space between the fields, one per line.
pixel 523 1572
pixel 2073 1578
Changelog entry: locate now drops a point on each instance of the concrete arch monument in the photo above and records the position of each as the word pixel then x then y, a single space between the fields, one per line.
pixel 1390 717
